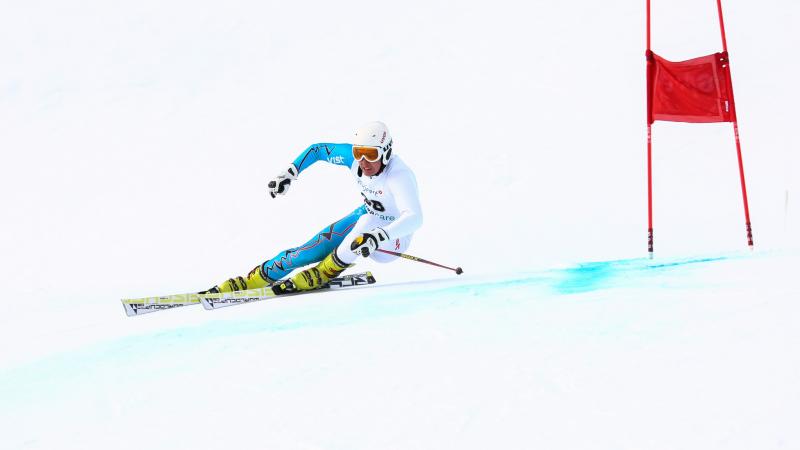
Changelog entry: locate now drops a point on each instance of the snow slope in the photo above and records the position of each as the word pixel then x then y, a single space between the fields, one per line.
pixel 137 139
pixel 690 353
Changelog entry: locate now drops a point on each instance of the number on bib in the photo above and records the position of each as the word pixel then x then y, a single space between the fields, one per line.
pixel 374 204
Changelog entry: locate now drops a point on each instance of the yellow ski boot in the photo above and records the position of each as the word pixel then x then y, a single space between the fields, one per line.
pixel 255 279
pixel 313 278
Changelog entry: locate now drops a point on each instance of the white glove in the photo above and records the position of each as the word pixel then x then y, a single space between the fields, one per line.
pixel 368 242
pixel 280 184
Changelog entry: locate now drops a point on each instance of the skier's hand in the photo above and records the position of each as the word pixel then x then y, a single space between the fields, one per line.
pixel 368 242
pixel 280 184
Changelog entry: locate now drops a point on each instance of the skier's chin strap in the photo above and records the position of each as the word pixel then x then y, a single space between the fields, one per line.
pixel 383 166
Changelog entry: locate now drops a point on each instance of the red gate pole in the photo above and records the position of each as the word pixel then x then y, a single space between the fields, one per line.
pixel 649 193
pixel 722 26
pixel 649 144
pixel 748 227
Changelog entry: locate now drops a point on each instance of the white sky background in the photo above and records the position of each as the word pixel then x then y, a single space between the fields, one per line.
pixel 137 138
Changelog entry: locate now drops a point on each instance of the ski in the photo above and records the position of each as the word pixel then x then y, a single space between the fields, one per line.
pixel 145 305
pixel 216 301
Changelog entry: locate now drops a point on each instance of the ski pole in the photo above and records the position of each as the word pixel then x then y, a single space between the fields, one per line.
pixel 457 270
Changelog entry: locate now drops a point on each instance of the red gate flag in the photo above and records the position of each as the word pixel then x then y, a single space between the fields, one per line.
pixel 696 91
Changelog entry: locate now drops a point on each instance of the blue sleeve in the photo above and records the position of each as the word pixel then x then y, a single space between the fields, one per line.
pixel 339 154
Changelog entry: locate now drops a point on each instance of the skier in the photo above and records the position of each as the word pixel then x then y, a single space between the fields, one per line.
pixel 389 217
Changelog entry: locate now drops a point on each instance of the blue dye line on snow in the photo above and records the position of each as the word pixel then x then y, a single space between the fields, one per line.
pixel 585 278
pixel 121 358
pixel 593 276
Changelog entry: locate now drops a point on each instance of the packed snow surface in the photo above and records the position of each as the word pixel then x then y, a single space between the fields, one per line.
pixel 686 353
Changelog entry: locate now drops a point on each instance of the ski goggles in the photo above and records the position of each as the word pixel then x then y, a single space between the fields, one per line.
pixel 371 154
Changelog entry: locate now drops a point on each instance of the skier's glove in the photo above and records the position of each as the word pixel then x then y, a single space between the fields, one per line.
pixel 280 184
pixel 368 242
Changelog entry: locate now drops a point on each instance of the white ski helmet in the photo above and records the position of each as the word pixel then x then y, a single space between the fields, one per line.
pixel 375 134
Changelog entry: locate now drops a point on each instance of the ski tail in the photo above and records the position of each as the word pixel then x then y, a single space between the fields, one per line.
pixel 139 306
